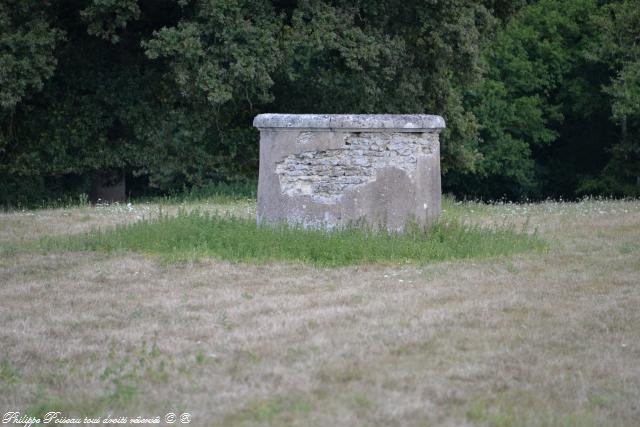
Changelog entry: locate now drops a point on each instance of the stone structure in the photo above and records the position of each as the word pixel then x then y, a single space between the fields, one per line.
pixel 333 170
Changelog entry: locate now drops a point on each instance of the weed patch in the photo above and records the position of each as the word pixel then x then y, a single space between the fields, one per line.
pixel 195 234
pixel 8 374
pixel 276 411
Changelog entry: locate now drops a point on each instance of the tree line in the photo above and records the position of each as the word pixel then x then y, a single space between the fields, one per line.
pixel 541 98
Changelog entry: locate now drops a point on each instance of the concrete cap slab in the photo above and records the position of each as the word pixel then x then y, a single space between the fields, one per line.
pixel 399 122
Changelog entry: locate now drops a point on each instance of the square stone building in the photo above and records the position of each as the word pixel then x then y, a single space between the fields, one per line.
pixel 327 171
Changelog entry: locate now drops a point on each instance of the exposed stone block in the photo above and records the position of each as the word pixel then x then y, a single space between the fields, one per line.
pixel 332 170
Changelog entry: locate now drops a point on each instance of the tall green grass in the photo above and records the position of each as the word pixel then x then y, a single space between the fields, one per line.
pixel 219 192
pixel 195 234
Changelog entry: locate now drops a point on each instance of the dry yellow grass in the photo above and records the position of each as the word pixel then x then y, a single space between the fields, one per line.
pixel 532 340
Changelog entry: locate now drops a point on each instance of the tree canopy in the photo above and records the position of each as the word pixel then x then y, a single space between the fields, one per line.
pixel 541 98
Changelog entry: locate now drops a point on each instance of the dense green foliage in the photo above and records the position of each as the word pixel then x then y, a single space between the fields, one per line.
pixel 541 98
pixel 192 235
pixel 547 107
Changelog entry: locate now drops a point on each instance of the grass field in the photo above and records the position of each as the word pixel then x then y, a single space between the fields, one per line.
pixel 190 235
pixel 538 338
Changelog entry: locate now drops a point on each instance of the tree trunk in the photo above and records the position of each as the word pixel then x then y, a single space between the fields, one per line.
pixel 108 186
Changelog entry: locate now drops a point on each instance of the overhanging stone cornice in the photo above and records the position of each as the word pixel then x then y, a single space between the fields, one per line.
pixel 353 122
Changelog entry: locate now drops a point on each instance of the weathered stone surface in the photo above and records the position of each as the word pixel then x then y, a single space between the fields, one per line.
pixel 332 170
pixel 349 121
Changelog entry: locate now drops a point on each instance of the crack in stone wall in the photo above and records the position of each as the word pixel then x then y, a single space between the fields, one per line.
pixel 326 175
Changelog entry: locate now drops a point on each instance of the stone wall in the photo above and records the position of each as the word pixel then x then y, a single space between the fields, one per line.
pixel 332 170
pixel 327 175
